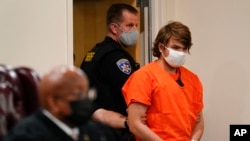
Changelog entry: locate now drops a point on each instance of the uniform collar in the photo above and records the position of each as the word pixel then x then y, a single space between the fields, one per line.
pixel 110 40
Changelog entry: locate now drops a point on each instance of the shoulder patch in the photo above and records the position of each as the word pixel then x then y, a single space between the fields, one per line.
pixel 124 66
pixel 89 56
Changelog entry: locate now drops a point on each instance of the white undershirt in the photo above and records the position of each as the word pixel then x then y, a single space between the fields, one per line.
pixel 69 131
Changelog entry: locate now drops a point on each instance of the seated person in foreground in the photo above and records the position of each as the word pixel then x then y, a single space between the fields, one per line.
pixel 66 110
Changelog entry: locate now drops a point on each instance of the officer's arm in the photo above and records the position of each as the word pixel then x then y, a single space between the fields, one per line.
pixel 109 118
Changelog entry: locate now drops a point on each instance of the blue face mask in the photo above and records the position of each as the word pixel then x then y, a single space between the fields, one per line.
pixel 128 38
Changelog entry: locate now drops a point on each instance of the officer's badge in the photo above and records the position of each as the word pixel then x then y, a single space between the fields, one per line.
pixel 124 66
pixel 89 56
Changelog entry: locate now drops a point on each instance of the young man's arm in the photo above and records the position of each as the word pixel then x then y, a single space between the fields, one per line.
pixel 136 122
pixel 198 129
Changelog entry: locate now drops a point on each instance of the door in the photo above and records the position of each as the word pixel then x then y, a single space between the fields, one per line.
pixel 89 26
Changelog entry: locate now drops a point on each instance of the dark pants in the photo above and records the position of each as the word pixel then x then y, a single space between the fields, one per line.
pixel 123 135
pixel 99 132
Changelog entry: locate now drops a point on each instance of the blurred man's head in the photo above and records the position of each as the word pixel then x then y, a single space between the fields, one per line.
pixel 64 93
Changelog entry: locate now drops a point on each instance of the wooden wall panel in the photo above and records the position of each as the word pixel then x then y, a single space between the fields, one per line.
pixel 89 26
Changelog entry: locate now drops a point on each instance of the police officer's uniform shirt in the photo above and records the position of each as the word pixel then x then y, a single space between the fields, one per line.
pixel 109 73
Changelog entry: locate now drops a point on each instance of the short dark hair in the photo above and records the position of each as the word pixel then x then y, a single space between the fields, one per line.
pixel 175 30
pixel 114 13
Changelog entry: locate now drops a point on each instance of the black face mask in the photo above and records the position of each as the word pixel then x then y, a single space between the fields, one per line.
pixel 82 111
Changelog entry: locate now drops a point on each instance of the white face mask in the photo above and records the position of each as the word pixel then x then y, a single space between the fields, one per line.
pixel 175 58
pixel 128 38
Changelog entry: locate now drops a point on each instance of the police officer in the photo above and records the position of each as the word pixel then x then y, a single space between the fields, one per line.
pixel 108 66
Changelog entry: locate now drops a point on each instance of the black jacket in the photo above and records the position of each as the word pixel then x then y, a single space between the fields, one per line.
pixel 108 66
pixel 39 127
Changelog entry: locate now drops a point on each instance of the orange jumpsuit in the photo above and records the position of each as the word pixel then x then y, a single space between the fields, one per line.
pixel 172 109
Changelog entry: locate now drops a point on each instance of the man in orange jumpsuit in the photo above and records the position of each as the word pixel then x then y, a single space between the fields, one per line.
pixel 166 93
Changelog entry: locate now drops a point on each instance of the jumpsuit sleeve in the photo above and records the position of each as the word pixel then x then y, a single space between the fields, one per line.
pixel 138 88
